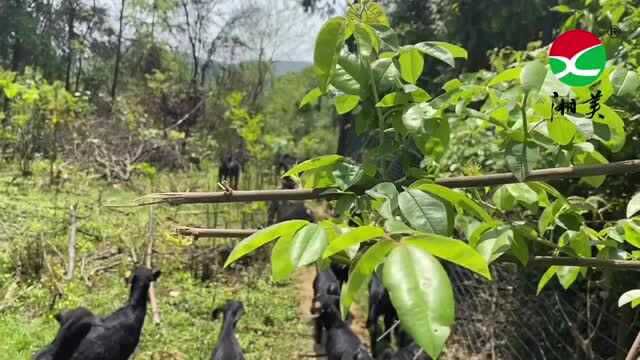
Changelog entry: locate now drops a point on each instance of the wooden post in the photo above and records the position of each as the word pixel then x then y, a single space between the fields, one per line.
pixel 635 349
pixel 71 264
pixel 149 253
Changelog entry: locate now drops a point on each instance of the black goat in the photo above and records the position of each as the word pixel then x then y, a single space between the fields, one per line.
pixel 74 327
pixel 194 160
pixel 118 334
pixel 284 162
pixel 341 272
pixel 379 306
pixel 230 169
pixel 283 210
pixel 325 283
pixel 228 347
pixel 342 343
pixel 410 352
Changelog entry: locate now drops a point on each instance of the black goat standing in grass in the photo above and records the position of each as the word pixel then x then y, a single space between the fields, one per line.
pixel 228 347
pixel 116 336
pixel 408 349
pixel 342 343
pixel 379 306
pixel 325 283
pixel 74 327
pixel 284 162
pixel 230 168
pixel 283 210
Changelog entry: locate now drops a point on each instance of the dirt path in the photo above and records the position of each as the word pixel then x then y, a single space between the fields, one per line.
pixel 304 290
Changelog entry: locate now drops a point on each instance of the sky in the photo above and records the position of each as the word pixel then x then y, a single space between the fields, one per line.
pixel 292 32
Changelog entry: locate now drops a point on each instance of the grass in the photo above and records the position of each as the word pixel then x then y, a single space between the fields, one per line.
pixel 34 226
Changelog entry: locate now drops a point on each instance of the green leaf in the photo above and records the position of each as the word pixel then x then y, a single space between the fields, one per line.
pixel 363 271
pixel 564 9
pixel 533 75
pixel 455 50
pixel 414 118
pixel 311 97
pixel 625 82
pixel 506 76
pixel 541 186
pixel 353 237
pixel 567 275
pixel 393 99
pixel 433 142
pixel 476 235
pixel 591 158
pixel 503 199
pixel 452 85
pixel 345 82
pixel 368 12
pixel 12 90
pixel 302 249
pixel 632 234
pixel 610 130
pixel 456 198
pixel 417 94
pixel 519 247
pixel 367 39
pixel 424 212
pixel 411 65
pixel 397 227
pixel 634 205
pixel 629 296
pixel 455 251
pixel 346 103
pixel 263 237
pixel 316 163
pixel 436 50
pixel 548 216
pixel 548 275
pixel 329 43
pixel 422 295
pixel 522 193
pixel 495 243
pixel 514 159
pixel 561 130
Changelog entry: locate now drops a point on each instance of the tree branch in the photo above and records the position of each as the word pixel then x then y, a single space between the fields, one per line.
pixel 622 167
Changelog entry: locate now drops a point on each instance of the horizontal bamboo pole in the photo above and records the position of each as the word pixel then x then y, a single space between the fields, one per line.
pixel 535 261
pixel 213 233
pixel 617 168
pixel 587 262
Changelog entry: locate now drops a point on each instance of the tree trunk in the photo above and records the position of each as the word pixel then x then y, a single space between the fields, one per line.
pixel 116 70
pixel 71 13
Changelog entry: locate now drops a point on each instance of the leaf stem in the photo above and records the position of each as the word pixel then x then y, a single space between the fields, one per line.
pixel 525 127
pixel 381 118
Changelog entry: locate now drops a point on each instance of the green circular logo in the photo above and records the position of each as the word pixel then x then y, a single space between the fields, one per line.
pixel 577 58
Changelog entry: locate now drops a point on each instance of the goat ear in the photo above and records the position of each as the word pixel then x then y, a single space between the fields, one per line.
pixel 156 275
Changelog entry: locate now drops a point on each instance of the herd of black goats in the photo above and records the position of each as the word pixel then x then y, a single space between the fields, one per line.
pixel 85 336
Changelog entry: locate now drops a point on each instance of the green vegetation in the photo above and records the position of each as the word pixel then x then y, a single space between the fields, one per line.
pixel 411 222
pixel 34 221
pixel 99 107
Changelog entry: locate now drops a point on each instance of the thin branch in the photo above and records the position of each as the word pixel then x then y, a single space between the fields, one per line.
pixel 588 262
pixel 617 168
pixel 213 233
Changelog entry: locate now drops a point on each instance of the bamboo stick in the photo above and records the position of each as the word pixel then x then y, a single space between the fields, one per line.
pixel 617 168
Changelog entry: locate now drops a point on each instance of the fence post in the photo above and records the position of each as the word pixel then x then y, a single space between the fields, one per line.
pixel 71 264
pixel 148 254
